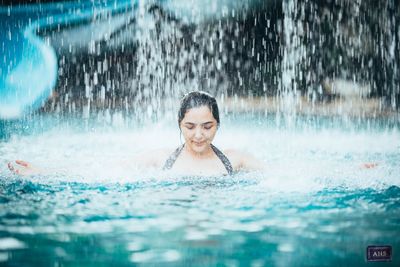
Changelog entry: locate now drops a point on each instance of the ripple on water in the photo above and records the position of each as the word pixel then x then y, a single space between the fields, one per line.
pixel 156 256
pixel 195 234
pixel 10 243
pixel 136 245
pixel 286 247
pixel 3 256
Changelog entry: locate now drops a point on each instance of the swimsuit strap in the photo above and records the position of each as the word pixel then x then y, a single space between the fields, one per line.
pixel 171 160
pixel 224 159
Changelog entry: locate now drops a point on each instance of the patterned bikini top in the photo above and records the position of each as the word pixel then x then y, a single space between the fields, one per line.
pixel 171 160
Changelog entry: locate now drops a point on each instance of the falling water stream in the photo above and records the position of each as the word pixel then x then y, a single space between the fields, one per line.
pixel 309 88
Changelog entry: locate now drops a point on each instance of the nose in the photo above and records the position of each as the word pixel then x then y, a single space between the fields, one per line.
pixel 198 133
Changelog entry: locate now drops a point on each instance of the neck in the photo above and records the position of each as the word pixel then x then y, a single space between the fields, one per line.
pixel 205 154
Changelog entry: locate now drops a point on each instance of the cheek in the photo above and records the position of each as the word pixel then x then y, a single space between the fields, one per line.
pixel 186 133
pixel 211 133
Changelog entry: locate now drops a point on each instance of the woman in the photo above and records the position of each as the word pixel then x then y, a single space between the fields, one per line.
pixel 198 120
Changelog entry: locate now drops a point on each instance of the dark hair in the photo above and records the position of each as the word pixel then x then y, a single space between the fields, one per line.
pixel 197 99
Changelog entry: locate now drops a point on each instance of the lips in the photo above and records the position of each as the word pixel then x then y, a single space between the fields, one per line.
pixel 199 143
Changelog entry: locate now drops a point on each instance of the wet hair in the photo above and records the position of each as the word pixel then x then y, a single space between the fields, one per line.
pixel 198 99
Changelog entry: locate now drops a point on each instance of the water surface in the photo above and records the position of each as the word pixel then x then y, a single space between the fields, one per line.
pixel 316 205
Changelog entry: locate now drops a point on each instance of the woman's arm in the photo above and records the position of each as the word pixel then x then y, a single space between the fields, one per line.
pixel 142 161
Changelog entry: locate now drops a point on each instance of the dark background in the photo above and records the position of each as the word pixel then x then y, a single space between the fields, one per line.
pixel 358 42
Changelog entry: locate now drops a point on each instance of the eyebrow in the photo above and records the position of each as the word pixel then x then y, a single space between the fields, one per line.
pixel 204 123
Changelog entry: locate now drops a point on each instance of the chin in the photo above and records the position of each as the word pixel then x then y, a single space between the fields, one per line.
pixel 199 149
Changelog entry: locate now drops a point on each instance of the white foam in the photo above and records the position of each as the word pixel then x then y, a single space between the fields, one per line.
pixel 9 243
pixel 295 161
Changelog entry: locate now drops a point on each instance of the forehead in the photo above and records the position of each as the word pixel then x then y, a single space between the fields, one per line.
pixel 198 115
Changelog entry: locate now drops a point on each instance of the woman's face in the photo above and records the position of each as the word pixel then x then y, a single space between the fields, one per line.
pixel 198 128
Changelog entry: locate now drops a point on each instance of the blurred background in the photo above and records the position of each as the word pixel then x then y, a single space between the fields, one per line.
pixel 85 57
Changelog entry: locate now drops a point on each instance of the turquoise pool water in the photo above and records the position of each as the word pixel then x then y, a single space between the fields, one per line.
pixel 314 206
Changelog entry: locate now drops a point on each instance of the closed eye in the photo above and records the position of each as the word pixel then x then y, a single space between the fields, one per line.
pixel 189 126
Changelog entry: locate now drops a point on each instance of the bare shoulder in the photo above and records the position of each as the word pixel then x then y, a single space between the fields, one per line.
pixel 243 161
